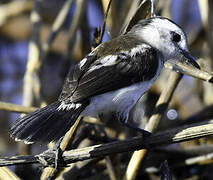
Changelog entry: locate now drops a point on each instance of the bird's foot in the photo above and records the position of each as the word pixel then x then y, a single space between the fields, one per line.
pixel 143 132
pixel 53 157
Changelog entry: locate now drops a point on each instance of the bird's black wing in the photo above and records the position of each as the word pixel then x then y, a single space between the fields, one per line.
pixel 100 75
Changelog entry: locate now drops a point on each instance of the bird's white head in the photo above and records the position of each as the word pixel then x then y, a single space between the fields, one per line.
pixel 166 37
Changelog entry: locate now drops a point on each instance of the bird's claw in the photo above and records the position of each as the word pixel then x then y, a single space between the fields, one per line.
pixel 53 157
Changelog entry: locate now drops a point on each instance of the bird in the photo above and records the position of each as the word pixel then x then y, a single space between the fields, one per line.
pixel 109 80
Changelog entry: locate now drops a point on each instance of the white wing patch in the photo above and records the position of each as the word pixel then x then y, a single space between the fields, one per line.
pixel 106 61
pixel 25 141
pixel 82 62
pixel 64 106
pixel 110 60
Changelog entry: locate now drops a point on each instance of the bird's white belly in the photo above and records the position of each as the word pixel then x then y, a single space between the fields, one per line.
pixel 121 100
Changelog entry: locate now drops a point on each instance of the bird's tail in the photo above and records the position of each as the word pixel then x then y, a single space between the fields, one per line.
pixel 46 124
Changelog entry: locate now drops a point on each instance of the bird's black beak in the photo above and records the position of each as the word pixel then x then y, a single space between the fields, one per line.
pixel 188 59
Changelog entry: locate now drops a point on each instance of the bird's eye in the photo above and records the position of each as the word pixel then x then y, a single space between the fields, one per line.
pixel 175 37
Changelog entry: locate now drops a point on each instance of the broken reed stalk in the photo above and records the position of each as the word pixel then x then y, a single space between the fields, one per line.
pixel 176 135
pixel 191 71
pixel 160 108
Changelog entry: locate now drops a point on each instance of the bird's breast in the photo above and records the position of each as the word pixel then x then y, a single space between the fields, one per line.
pixel 120 101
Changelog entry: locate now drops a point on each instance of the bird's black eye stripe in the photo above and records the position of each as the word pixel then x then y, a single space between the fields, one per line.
pixel 175 36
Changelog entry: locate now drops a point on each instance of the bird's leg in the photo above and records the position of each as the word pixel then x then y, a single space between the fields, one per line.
pixel 58 153
pixel 142 131
pixel 125 121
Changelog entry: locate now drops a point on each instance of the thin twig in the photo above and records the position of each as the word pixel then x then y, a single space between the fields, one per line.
pixel 58 23
pixel 105 19
pixel 176 135
pixel 98 39
pixel 4 106
pixel 110 168
pixel 80 7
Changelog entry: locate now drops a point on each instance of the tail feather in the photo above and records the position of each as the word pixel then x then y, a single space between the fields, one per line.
pixel 26 119
pixel 46 124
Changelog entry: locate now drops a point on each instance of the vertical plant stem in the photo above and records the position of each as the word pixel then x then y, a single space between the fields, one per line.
pixel 160 108
pixel 31 79
pixel 58 23
pixel 31 86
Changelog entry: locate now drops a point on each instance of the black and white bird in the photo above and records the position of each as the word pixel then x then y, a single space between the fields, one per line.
pixel 109 80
